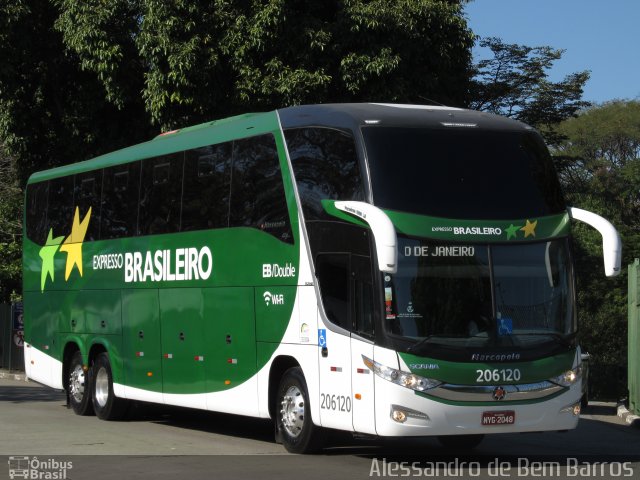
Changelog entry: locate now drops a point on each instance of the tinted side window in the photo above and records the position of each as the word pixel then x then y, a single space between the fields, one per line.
pixel 205 199
pixel 346 287
pixel 332 270
pixel 120 201
pixel 325 165
pixel 257 192
pixel 363 298
pixel 60 209
pixel 88 187
pixel 37 230
pixel 160 194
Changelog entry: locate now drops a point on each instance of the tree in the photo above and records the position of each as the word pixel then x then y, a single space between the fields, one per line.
pixel 79 79
pixel 599 165
pixel 10 230
pixel 514 82
pixel 200 60
pixel 51 111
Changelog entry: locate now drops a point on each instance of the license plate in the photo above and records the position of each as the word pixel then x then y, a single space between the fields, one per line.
pixel 505 417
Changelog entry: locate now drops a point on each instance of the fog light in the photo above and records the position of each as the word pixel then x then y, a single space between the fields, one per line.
pixel 574 409
pixel 398 416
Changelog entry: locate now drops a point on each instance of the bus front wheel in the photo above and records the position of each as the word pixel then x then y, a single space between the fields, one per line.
pixel 293 415
pixel 106 405
pixel 78 384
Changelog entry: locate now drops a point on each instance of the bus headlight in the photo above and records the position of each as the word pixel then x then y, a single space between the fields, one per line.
pixel 404 379
pixel 569 377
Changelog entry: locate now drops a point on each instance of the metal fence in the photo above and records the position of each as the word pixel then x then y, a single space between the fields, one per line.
pixel 634 337
pixel 11 337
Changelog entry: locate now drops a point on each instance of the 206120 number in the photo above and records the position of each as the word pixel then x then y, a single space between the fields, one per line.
pixel 498 375
pixel 338 403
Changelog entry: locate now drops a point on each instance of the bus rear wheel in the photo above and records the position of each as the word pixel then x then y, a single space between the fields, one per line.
pixel 78 386
pixel 293 415
pixel 106 405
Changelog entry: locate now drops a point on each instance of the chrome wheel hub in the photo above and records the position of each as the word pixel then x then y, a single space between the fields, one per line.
pixel 102 387
pixel 292 411
pixel 76 383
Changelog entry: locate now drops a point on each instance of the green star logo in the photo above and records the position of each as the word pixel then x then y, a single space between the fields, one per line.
pixel 47 254
pixel 512 231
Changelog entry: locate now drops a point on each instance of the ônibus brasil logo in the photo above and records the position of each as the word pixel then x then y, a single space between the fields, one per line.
pixel 159 265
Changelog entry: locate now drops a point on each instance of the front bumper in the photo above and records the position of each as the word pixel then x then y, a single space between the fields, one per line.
pixel 426 416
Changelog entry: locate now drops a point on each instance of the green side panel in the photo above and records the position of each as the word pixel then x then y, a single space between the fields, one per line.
pixel 44 317
pixel 272 305
pixel 634 337
pixel 466 373
pixel 136 295
pixel 237 255
pixel 230 337
pixel 94 311
pixel 183 340
pixel 141 339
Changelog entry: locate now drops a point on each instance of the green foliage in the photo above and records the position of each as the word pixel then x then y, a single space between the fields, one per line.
pixel 78 79
pixel 10 229
pixel 514 82
pixel 51 111
pixel 195 61
pixel 599 164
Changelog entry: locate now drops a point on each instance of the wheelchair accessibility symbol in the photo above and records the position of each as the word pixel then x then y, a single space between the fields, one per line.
pixel 322 337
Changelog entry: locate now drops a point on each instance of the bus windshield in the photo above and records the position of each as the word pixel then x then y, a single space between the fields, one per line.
pixel 480 295
pixel 464 173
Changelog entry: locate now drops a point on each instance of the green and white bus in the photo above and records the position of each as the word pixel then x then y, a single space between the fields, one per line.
pixel 392 270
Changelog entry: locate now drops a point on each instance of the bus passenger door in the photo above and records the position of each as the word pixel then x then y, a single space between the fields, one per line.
pixel 362 344
pixel 334 345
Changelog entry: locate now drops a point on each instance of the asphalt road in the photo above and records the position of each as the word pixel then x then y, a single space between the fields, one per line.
pixel 165 443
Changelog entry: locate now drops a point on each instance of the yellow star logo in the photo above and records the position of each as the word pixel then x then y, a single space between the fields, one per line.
pixel 73 243
pixel 529 228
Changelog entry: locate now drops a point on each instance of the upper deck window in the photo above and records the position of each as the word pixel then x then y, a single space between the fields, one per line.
pixel 462 173
pixel 325 165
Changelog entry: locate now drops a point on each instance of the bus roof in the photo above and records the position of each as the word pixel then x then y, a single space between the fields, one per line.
pixel 170 142
pixel 346 115
pixel 355 115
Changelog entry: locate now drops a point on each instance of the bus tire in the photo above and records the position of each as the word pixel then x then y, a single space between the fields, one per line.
pixel 106 405
pixel 79 386
pixel 293 415
pixel 461 442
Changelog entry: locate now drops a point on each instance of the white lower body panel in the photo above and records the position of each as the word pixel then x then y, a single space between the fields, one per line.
pixel 444 419
pixel 42 368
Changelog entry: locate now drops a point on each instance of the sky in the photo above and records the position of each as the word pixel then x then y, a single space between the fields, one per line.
pixel 602 36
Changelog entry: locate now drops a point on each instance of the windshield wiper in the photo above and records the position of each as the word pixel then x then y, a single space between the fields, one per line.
pixel 426 339
pixel 422 342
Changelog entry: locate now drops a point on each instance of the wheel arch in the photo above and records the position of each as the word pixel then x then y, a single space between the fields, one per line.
pixel 279 365
pixel 70 348
pixel 96 349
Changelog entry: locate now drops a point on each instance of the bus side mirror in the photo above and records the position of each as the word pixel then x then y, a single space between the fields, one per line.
pixel 611 243
pixel 384 233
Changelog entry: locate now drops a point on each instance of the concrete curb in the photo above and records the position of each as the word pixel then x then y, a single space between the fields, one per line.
pixel 19 376
pixel 629 418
